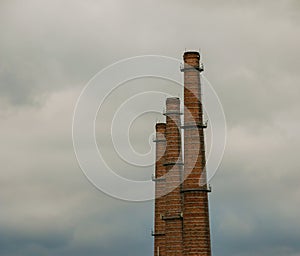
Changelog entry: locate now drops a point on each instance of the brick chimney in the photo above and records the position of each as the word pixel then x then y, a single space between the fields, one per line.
pixel 196 231
pixel 174 169
pixel 182 215
pixel 160 171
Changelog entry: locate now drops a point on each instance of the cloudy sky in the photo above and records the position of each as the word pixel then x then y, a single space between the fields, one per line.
pixel 49 50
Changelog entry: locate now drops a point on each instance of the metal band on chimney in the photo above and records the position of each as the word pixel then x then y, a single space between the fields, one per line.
pixel 157 234
pixel 172 113
pixel 173 163
pixel 208 190
pixel 159 140
pixel 200 69
pixel 191 126
pixel 158 179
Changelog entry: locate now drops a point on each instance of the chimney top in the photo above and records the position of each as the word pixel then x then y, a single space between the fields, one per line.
pixel 192 54
pixel 173 100
pixel 160 126
pixel 192 58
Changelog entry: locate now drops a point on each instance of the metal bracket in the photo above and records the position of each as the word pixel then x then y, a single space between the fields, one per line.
pixel 198 125
pixel 172 113
pixel 173 163
pixel 157 179
pixel 179 216
pixel 159 140
pixel 156 234
pixel 200 68
pixel 207 190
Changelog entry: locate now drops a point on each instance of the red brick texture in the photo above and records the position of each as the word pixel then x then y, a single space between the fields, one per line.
pixel 173 163
pixel 196 231
pixel 182 214
pixel 160 171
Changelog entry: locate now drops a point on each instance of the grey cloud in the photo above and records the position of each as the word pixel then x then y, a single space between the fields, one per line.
pixel 49 50
pixel 47 205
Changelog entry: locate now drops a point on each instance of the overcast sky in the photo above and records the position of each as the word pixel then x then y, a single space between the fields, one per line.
pixel 49 50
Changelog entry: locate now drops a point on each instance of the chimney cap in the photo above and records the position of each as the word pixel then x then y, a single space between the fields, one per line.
pixel 160 126
pixel 191 54
pixel 173 99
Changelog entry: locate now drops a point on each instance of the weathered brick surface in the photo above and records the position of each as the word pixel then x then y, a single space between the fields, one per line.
pixel 196 231
pixel 182 215
pixel 173 155
pixel 160 171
